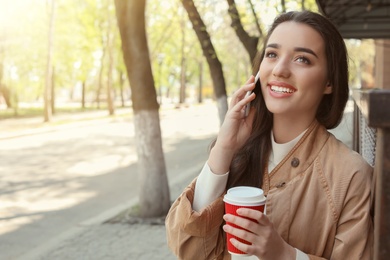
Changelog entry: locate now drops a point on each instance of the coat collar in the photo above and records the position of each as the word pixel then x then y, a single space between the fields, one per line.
pixel 301 156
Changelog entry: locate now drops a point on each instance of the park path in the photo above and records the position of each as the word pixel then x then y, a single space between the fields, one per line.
pixel 57 177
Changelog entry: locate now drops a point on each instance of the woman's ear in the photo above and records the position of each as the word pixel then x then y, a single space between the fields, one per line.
pixel 328 88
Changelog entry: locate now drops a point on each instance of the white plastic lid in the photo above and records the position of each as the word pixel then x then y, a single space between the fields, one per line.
pixel 245 196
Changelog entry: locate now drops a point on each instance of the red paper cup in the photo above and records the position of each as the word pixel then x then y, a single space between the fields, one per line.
pixel 242 197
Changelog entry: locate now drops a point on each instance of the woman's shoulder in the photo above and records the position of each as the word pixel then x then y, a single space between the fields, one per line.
pixel 344 173
pixel 343 162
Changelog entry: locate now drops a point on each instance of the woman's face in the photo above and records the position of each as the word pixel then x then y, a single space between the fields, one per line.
pixel 293 73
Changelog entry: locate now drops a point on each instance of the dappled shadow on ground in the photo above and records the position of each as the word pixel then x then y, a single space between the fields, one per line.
pixel 54 188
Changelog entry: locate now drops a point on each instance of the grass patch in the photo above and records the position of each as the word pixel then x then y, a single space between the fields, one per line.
pixel 38 112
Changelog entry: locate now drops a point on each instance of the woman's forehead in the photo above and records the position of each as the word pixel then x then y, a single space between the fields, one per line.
pixel 296 34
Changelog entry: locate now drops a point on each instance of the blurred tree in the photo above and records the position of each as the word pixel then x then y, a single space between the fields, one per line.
pixel 174 51
pixel 53 91
pixel 210 54
pixel 81 35
pixel 249 42
pixel 4 91
pixel 361 62
pixel 51 5
pixel 283 4
pixel 82 66
pixel 183 61
pixel 110 49
pixel 85 63
pixel 154 190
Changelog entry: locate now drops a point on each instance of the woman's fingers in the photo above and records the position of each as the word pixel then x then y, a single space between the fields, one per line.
pixel 244 213
pixel 244 231
pixel 254 214
pixel 242 91
pixel 240 246
pixel 249 224
pixel 265 241
pixel 242 97
pixel 250 80
pixel 239 105
pixel 249 219
pixel 238 232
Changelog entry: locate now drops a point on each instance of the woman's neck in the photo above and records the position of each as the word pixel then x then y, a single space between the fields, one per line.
pixel 286 129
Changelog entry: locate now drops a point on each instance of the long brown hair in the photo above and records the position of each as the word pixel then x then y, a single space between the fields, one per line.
pixel 249 163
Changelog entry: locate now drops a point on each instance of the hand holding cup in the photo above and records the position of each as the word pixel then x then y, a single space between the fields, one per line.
pixel 242 197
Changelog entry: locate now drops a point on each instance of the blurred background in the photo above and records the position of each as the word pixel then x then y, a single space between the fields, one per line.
pixel 107 109
pixel 84 62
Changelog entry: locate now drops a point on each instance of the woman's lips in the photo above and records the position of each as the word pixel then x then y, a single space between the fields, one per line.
pixel 280 89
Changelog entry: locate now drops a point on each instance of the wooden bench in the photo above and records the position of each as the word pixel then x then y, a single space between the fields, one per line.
pixel 372 141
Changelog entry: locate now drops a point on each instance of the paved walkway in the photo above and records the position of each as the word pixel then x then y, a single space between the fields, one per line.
pixel 94 239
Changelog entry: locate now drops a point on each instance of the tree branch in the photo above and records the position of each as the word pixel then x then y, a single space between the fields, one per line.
pixel 249 42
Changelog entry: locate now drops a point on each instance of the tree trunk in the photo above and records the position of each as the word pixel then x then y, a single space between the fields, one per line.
pixel 47 95
pixel 303 5
pixel 283 3
pixel 211 57
pixel 100 79
pixel 121 83
pixel 83 95
pixel 200 92
pixel 6 93
pixel 52 92
pixel 256 19
pixel 154 190
pixel 249 42
pixel 110 49
pixel 182 92
pixel 4 90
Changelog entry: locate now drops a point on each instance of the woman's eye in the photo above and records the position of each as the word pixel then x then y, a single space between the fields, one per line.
pixel 270 54
pixel 303 59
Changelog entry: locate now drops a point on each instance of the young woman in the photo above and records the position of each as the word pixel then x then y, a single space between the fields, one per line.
pixel 318 190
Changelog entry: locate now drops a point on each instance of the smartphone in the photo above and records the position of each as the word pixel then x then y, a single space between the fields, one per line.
pixel 248 106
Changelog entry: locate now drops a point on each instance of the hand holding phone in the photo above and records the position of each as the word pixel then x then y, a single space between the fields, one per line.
pixel 248 106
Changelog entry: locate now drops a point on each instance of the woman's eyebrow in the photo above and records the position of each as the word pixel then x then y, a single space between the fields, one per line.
pixel 297 49
pixel 301 49
pixel 273 45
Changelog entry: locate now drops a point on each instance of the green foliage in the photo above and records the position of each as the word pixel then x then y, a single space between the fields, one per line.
pixel 38 111
pixel 80 37
pixel 361 63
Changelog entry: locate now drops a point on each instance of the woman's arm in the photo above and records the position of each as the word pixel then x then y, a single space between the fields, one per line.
pixel 354 237
pixel 195 235
pixel 199 235
pixel 208 188
pixel 355 230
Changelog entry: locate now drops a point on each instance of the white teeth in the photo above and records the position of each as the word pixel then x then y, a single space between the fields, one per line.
pixel 281 89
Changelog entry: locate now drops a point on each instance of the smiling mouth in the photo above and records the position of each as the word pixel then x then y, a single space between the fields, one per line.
pixel 283 90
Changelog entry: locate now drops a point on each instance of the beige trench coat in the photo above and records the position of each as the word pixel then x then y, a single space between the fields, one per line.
pixel 318 198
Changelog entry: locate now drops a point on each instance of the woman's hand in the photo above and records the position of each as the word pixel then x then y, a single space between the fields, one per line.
pixel 266 242
pixel 236 128
pixel 234 131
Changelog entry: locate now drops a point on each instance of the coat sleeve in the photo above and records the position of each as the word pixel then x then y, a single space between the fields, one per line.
pixel 354 225
pixel 355 229
pixel 195 235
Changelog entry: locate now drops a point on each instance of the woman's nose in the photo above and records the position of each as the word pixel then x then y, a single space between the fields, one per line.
pixel 281 68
